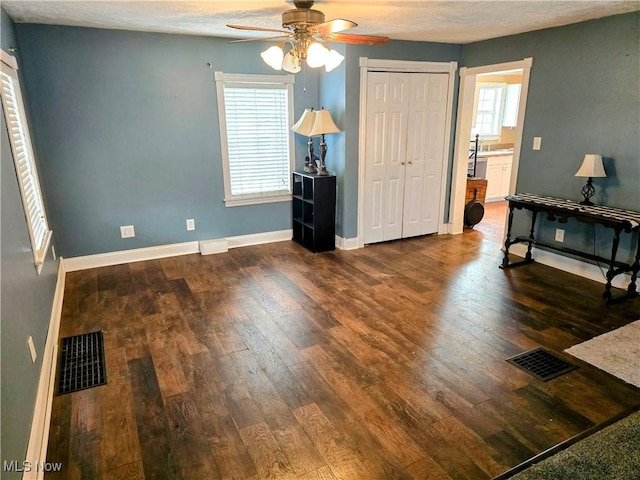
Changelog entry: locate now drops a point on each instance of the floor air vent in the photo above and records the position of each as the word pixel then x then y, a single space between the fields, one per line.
pixel 541 364
pixel 81 363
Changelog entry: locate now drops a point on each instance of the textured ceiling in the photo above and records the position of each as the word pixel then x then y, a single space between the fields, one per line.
pixel 430 20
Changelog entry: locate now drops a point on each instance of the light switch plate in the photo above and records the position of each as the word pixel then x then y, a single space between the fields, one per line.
pixel 191 224
pixel 537 143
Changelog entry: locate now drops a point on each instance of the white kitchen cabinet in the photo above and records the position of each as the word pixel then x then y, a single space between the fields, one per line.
pixel 498 177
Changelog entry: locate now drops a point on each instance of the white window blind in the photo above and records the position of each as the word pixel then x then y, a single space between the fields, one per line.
pixel 18 132
pixel 257 148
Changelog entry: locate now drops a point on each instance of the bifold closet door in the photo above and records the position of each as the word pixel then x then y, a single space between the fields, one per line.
pixel 403 154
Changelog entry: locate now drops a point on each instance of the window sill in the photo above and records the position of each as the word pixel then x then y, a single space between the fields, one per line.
pixel 242 201
pixel 40 256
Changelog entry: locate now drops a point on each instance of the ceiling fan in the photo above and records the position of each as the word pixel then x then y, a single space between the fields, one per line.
pixel 306 30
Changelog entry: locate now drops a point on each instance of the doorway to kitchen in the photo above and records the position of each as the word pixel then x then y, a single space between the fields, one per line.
pixel 491 111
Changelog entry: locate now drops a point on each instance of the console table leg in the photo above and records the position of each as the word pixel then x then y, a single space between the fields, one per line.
pixel 611 272
pixel 507 241
pixel 631 290
pixel 534 214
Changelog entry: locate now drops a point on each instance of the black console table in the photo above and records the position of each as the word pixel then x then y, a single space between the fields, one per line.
pixel 560 209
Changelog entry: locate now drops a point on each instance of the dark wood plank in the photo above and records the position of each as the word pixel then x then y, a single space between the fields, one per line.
pixel 158 458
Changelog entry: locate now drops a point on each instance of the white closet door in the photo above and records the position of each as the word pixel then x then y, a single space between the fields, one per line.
pixel 434 154
pixel 416 153
pixel 386 148
pixel 404 154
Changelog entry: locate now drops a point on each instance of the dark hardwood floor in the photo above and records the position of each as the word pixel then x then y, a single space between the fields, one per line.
pixel 386 362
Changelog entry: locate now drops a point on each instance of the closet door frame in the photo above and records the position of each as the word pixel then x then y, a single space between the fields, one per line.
pixel 381 65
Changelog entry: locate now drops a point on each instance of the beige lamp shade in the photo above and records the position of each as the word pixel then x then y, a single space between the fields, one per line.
pixel 591 166
pixel 323 123
pixel 305 123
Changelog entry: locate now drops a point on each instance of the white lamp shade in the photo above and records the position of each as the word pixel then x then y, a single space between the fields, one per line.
pixel 316 55
pixel 290 63
pixel 304 125
pixel 273 56
pixel 591 166
pixel 333 60
pixel 323 124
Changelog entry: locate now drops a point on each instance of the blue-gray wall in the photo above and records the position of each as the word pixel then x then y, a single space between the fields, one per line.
pixel 129 124
pixel 584 97
pixel 26 300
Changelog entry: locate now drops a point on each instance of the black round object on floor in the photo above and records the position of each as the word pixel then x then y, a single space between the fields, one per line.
pixel 473 213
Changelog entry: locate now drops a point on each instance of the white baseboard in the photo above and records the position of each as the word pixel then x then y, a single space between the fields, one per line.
pixel 347 243
pixel 259 238
pixel 571 265
pixel 128 256
pixel 39 436
pixel 205 247
pixel 218 245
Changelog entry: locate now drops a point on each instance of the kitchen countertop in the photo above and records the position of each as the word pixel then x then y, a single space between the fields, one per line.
pixel 495 153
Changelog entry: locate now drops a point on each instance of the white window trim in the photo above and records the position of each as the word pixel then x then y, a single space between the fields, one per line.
pixel 230 79
pixel 36 208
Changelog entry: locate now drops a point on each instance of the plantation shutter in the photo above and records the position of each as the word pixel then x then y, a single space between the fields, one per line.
pixel 256 141
pixel 22 150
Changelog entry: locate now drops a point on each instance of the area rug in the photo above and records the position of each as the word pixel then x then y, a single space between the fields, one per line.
pixel 610 454
pixel 616 352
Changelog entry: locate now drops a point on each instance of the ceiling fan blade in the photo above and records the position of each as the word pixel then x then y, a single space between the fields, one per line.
pixel 266 39
pixel 357 39
pixel 337 25
pixel 257 29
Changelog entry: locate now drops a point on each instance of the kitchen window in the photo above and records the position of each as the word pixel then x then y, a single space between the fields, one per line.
pixel 255 114
pixel 489 107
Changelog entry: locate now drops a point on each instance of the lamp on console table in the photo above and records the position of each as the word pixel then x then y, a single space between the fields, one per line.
pixel 591 167
pixel 303 126
pixel 323 124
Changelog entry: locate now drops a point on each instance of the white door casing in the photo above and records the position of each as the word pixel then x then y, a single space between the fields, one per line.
pixel 415 221
pixel 463 130
pixel 405 137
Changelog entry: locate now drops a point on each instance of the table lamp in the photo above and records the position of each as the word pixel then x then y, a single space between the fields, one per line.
pixel 591 167
pixel 323 124
pixel 303 126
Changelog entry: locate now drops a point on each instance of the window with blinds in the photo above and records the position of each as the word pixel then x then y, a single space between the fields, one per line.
pixel 257 148
pixel 18 132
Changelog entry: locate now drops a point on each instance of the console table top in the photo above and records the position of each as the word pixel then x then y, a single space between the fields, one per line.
pixel 576 209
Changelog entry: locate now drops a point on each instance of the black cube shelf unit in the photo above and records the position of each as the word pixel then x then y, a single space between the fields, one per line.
pixel 314 211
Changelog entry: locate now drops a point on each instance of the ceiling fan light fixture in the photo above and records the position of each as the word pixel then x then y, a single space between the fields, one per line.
pixel 333 60
pixel 291 62
pixel 273 56
pixel 316 55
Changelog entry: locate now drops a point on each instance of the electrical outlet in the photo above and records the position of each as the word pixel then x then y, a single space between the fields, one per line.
pixel 191 224
pixel 127 231
pixel 537 143
pixel 32 349
pixel 559 235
